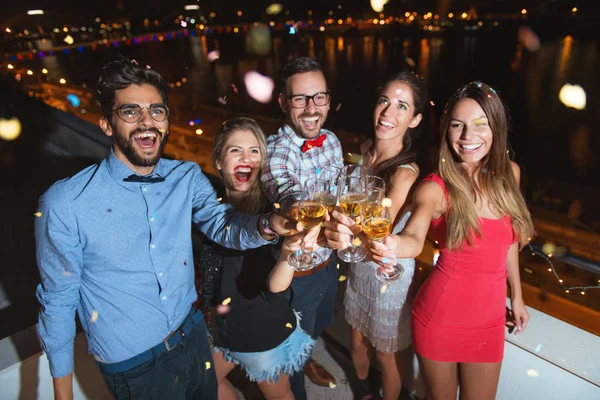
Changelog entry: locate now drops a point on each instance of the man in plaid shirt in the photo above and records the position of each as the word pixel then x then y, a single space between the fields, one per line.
pixel 299 151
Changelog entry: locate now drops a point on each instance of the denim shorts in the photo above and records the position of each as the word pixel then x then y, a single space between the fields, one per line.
pixel 265 366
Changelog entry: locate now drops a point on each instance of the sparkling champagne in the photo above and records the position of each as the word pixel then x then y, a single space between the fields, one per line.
pixel 377 228
pixel 311 214
pixel 328 200
pixel 350 204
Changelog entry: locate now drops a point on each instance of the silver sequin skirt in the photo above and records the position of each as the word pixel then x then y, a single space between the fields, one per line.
pixel 382 316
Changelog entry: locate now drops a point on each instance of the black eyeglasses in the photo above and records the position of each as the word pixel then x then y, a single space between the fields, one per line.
pixel 133 113
pixel 301 100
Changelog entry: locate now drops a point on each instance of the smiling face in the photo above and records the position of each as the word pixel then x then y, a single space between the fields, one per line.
pixel 394 112
pixel 240 161
pixel 140 144
pixel 469 132
pixel 308 121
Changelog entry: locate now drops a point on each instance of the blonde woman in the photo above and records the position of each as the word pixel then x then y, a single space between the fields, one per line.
pixel 255 326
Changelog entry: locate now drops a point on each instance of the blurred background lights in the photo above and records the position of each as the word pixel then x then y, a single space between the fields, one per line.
pixel 62 81
pixel 35 12
pixel 572 96
pixel 10 129
pixel 377 5
pixel 73 99
pixel 69 39
pixel 190 7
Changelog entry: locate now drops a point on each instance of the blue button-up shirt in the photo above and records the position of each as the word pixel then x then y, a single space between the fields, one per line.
pixel 121 254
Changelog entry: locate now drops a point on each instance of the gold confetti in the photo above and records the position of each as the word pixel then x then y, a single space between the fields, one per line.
pixel 387 202
pixel 288 325
pixel 277 206
pixel 220 199
pixel 94 317
pixel 208 365
pixel 342 278
pixel 356 242
pixel 443 160
pixel 227 228
pixel 383 288
pixel 332 385
pixel 162 130
pixel 38 214
pixel 226 301
pixel 66 273
pixel 338 266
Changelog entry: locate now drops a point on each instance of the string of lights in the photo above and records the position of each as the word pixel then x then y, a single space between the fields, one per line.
pixel 552 269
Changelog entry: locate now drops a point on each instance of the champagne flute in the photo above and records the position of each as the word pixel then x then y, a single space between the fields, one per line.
pixel 351 198
pixel 311 212
pixel 377 224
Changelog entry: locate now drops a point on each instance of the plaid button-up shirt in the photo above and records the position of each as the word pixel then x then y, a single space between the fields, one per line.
pixel 287 167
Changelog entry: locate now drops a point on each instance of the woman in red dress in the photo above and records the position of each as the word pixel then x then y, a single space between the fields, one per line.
pixel 479 217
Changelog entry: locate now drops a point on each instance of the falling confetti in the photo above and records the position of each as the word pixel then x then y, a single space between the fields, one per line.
pixel 274 9
pixel 221 309
pixel 235 89
pixel 66 273
pixel 288 325
pixel 208 365
pixel 529 39
pixel 176 380
pixel 332 385
pixel 338 107
pixel 338 266
pixel 94 317
pixel 258 86
pixel 383 289
pixel 222 100
pixel 277 206
pixel 226 301
pixel 38 214
pixel 220 199
pixel 387 202
pixel 443 160
pixel 356 242
pixel 433 104
pixel 410 62
pixel 227 228
pixel 162 130
pixel 213 55
pixel 342 278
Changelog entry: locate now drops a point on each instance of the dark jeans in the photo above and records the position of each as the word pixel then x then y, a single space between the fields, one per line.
pixel 181 373
pixel 314 297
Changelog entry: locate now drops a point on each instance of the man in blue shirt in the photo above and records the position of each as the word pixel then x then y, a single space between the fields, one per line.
pixel 114 243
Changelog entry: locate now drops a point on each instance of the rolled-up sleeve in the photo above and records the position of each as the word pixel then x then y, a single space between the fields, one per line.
pixel 220 222
pixel 59 257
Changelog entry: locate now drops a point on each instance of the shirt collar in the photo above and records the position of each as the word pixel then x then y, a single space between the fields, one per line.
pixel 119 171
pixel 298 140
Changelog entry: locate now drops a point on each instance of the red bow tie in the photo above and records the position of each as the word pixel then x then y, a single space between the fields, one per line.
pixel 309 144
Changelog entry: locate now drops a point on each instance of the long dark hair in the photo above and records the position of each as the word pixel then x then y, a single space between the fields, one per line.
pixel 410 151
pixel 120 74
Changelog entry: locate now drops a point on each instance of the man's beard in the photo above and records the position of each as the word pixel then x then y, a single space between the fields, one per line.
pixel 133 154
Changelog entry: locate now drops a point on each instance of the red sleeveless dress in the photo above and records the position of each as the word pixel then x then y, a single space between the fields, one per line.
pixel 459 312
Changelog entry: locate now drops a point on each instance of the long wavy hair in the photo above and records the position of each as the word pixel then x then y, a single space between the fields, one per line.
pixel 492 178
pixel 255 201
pixel 410 151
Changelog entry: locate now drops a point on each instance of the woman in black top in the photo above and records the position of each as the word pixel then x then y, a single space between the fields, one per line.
pixel 255 326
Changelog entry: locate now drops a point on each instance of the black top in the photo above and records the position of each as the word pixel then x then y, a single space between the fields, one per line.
pixel 258 318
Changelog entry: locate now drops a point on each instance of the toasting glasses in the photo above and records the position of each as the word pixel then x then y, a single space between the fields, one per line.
pixel 311 211
pixel 351 197
pixel 377 223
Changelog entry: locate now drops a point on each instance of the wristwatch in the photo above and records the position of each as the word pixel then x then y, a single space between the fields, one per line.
pixel 264 221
